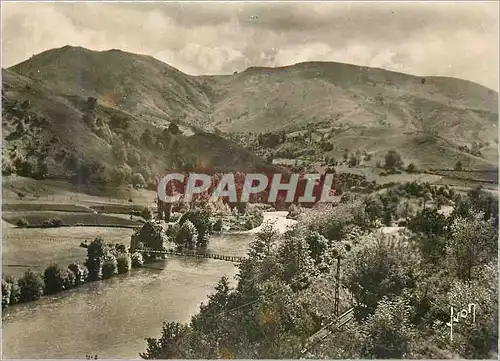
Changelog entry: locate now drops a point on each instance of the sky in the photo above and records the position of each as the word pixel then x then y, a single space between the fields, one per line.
pixel 454 39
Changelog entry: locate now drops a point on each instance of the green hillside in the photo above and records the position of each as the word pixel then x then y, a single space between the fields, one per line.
pixel 104 116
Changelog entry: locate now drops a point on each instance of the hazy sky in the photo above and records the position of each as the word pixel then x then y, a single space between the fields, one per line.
pixel 449 39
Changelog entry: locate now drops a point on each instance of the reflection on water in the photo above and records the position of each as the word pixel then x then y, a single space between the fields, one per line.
pixel 111 318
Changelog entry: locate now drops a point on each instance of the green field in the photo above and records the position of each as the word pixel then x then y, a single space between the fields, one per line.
pixel 37 248
pixel 70 219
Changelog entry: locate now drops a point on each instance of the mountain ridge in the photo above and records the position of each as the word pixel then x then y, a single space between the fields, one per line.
pixel 356 101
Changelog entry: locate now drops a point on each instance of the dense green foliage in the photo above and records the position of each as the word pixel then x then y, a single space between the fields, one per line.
pixel 400 286
pixel 104 260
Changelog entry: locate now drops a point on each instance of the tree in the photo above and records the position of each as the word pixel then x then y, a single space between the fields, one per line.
pixel 31 286
pixel 266 238
pixel 472 243
pixel 57 279
pixel 137 259
pixel 317 246
pixel 81 273
pixel 411 168
pixel 217 227
pixel 458 165
pixel 119 122
pixel 200 218
pixel 22 223
pixel 6 290
pixel 353 161
pixel 96 252
pixel 11 292
pixel 151 235
pixel 124 263
pixel 188 235
pixel 109 266
pixel 174 129
pixel 393 160
pixel 146 214
pixel 119 176
pixel 169 345
pixel 388 333
pixel 378 268
pixel 138 181
pixel 147 138
pixel 134 158
pixel 374 207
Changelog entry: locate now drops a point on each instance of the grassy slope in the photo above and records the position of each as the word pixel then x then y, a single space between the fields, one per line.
pixel 57 84
pixel 426 121
pixel 37 248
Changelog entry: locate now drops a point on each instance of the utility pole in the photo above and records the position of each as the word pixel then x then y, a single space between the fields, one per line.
pixel 337 288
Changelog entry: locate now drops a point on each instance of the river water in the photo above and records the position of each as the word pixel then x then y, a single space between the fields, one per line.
pixel 111 318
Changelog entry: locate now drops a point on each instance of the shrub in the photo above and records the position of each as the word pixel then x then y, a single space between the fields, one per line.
pixel 187 235
pixel 109 266
pixel 411 168
pixel 6 290
pixel 96 251
pixel 22 223
pixel 55 278
pixel 55 222
pixel 200 218
pixel 217 227
pixel 146 214
pixel 137 260
pixel 138 180
pixel 31 286
pixel 173 230
pixel 69 279
pixel 393 160
pixel 124 263
pixel 11 292
pixel 151 234
pixel 249 223
pixel 80 272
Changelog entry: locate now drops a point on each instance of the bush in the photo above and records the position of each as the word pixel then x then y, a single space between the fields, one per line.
pixel 137 260
pixel 411 168
pixel 393 160
pixel 146 214
pixel 22 223
pixel 69 279
pixel 187 235
pixel 80 272
pixel 109 266
pixel 6 290
pixel 57 279
pixel 31 286
pixel 138 180
pixel 96 251
pixel 173 229
pixel 55 222
pixel 151 234
pixel 249 223
pixel 217 227
pixel 124 263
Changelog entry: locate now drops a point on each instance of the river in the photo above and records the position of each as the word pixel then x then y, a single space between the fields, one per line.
pixel 111 318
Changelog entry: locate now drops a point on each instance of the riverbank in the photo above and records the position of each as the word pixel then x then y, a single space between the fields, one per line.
pixel 111 318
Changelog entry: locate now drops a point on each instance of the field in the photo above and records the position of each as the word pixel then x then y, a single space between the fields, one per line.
pixel 71 219
pixel 36 248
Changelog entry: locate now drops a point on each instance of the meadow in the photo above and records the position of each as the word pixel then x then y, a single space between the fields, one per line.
pixel 36 248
